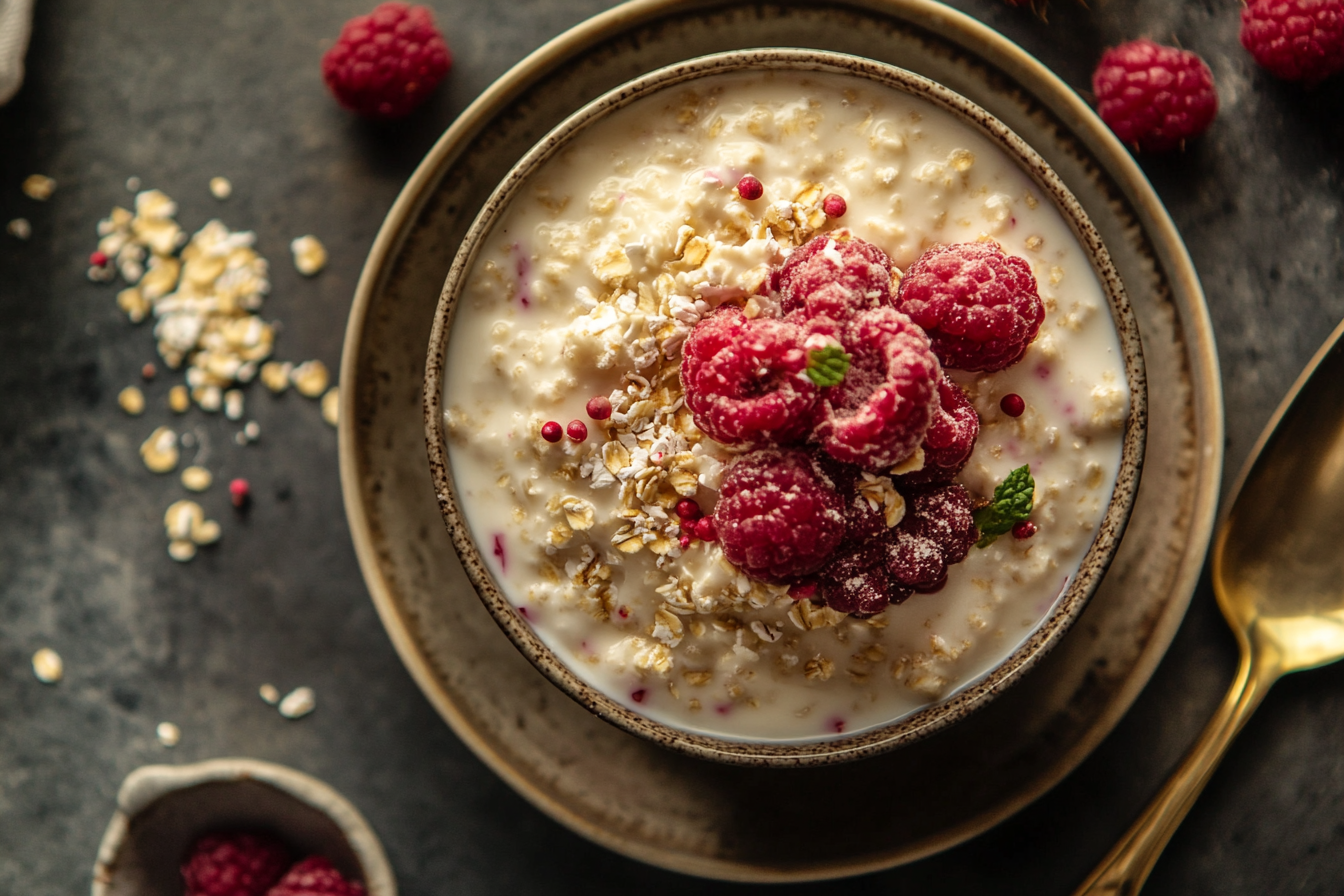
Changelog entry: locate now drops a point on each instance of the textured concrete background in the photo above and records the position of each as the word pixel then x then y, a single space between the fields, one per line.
pixel 178 92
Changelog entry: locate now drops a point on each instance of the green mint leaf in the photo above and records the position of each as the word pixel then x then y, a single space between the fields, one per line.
pixel 827 366
pixel 1013 500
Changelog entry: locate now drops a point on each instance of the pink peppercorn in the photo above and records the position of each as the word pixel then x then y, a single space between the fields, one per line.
pixel 239 492
pixel 577 430
pixel 551 431
pixel 834 206
pixel 1013 405
pixel 599 407
pixel 704 529
pixel 148 372
pixel 750 188
pixel 684 541
pixel 99 259
pixel 1024 529
pixel 688 509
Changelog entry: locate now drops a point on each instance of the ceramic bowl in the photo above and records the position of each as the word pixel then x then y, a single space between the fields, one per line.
pixel 968 696
pixel 162 809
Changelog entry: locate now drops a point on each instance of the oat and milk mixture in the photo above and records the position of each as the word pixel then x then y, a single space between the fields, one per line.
pixel 589 286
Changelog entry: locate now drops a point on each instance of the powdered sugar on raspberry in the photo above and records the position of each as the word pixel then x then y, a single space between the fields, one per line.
pixel 1297 40
pixel 980 307
pixel 878 415
pixel 835 274
pixel 951 437
pixel 778 516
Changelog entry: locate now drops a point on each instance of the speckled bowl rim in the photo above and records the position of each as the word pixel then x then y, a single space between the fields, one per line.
pixel 968 696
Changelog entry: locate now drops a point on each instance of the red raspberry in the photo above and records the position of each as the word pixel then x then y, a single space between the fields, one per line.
pixel 879 412
pixel 862 521
pixel 937 532
pixel 835 274
pixel 1154 97
pixel 315 876
pixel 234 864
pixel 950 439
pixel 856 581
pixel 1297 40
pixel 386 63
pixel 745 380
pixel 979 306
pixel 778 517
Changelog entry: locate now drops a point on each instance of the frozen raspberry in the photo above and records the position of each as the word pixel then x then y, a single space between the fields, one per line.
pixel 1154 97
pixel 385 63
pixel 1297 40
pixel 979 306
pixel 778 517
pixel 936 532
pixel 234 864
pixel 879 412
pixel 856 581
pixel 835 274
pixel 950 439
pixel 315 876
pixel 862 520
pixel 745 380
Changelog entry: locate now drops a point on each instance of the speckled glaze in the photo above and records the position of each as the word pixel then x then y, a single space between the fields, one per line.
pixel 162 809
pixel 715 819
pixel 968 697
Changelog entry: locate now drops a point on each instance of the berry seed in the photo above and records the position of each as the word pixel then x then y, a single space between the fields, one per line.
pixel 551 431
pixel 750 188
pixel 834 206
pixel 1013 405
pixel 599 407
pixel 1024 530
pixel 577 430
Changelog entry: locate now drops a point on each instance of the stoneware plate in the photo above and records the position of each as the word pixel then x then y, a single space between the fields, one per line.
pixel 969 695
pixel 702 817
pixel 162 809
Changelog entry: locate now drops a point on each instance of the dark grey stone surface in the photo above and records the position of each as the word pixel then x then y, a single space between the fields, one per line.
pixel 178 92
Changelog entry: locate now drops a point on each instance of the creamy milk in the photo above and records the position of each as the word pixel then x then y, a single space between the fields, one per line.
pixel 587 286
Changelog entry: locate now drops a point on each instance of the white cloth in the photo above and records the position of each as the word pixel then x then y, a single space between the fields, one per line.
pixel 16 24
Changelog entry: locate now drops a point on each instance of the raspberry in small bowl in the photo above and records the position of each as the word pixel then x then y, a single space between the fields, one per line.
pixel 786 537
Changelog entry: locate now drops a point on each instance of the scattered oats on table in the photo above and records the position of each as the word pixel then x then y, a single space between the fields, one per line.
pixel 20 229
pixel 168 734
pixel 220 188
pixel 48 667
pixel 39 187
pixel 132 400
pixel 160 452
pixel 196 479
pixel 298 703
pixel 269 693
pixel 310 256
pixel 331 405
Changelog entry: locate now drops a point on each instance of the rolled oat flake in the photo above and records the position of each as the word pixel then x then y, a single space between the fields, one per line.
pixel 298 703
pixel 48 666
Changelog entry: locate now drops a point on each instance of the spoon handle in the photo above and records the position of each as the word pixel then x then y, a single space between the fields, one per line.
pixel 1128 864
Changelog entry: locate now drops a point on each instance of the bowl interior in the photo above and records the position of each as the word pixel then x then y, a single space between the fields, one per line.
pixel 159 836
pixel 969 695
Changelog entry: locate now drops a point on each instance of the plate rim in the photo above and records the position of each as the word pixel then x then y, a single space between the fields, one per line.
pixel 1200 354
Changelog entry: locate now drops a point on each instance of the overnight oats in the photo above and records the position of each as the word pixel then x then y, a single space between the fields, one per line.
pixel 782 405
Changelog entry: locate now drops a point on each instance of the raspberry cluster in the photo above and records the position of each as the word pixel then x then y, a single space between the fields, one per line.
pixel 251 864
pixel 845 386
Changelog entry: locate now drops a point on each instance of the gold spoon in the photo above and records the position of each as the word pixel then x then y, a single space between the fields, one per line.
pixel 1278 574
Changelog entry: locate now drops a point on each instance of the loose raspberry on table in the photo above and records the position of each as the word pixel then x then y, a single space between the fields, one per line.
pixel 234 864
pixel 950 440
pixel 879 413
pixel 745 379
pixel 936 532
pixel 1154 97
pixel 835 274
pixel 856 581
pixel 1297 40
pixel 315 876
pixel 979 306
pixel 778 518
pixel 385 63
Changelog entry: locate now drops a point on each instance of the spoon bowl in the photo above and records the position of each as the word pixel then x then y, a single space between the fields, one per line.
pixel 1278 575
